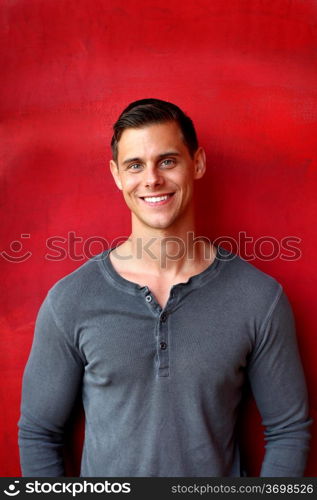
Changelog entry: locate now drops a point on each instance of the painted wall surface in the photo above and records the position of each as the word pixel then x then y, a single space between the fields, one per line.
pixel 244 70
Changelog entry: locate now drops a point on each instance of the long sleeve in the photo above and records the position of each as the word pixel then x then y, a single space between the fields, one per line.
pixel 51 382
pixel 278 384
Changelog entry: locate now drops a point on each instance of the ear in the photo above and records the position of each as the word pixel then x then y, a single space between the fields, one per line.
pixel 115 173
pixel 200 163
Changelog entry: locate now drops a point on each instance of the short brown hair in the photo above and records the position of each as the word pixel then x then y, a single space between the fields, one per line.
pixel 149 111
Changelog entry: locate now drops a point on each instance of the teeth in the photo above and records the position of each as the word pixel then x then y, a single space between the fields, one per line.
pixel 155 199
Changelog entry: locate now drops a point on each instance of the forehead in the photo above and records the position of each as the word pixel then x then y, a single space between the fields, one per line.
pixel 151 140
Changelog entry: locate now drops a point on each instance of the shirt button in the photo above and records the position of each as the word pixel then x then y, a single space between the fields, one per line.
pixel 148 298
pixel 163 317
pixel 163 346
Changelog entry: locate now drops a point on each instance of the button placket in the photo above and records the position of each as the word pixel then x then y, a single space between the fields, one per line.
pixel 161 331
pixel 151 302
pixel 163 317
pixel 162 345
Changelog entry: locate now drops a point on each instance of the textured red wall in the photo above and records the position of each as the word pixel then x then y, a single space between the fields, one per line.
pixel 245 70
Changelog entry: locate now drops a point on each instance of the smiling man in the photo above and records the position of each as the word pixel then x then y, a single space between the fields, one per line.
pixel 161 333
pixel 156 170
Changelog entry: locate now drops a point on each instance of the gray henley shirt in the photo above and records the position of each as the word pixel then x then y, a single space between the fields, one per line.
pixel 161 388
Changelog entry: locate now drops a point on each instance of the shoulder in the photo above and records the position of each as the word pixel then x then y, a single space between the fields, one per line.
pixel 78 285
pixel 249 286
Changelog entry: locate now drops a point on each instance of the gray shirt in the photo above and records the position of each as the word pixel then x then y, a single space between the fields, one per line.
pixel 161 388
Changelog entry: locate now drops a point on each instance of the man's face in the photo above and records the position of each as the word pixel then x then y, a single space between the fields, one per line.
pixel 156 173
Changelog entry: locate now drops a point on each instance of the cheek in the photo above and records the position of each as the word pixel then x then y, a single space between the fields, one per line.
pixel 129 189
pixel 129 184
pixel 185 183
pixel 181 176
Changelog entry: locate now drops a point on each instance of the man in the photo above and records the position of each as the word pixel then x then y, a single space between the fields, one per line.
pixel 161 333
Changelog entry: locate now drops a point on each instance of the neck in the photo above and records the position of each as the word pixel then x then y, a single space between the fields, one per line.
pixel 169 251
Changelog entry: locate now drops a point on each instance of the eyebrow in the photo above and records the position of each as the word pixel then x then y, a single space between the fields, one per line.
pixel 159 157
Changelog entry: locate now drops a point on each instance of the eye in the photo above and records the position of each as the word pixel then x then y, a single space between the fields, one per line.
pixel 169 162
pixel 135 167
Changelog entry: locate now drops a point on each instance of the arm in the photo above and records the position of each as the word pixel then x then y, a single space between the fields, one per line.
pixel 278 384
pixel 51 382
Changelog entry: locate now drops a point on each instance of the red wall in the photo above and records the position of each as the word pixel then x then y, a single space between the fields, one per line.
pixel 245 70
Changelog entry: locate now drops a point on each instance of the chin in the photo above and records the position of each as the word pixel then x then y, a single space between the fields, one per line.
pixel 158 222
pixel 163 224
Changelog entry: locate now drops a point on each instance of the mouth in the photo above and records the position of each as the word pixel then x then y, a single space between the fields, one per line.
pixel 157 200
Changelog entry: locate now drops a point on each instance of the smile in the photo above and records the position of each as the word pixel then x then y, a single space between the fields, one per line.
pixel 157 200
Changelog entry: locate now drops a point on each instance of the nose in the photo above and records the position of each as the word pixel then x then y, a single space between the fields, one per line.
pixel 152 177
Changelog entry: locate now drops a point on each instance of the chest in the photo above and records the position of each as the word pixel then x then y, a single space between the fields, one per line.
pixel 195 340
